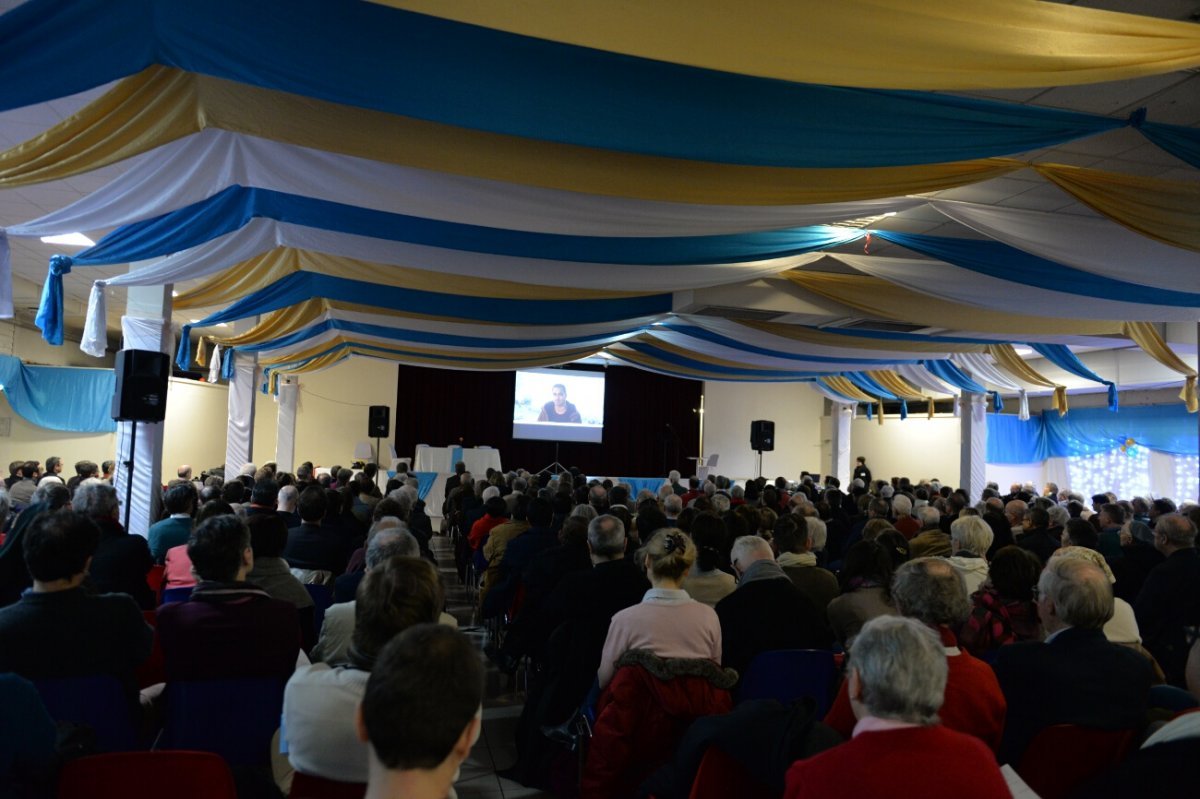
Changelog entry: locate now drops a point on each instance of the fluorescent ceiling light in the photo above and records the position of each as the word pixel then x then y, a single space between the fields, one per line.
pixel 69 239
pixel 1022 350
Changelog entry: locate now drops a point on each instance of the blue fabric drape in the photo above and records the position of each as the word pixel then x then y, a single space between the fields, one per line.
pixel 716 338
pixel 424 483
pixel 422 337
pixel 233 207
pixel 871 386
pixel 688 362
pixel 1181 142
pixel 637 484
pixel 300 286
pixel 475 77
pixel 1063 358
pixel 949 372
pixel 1089 431
pixel 1001 261
pixel 60 398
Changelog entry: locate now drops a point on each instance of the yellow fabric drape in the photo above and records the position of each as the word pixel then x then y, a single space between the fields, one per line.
pixel 1008 359
pixel 1164 210
pixel 882 44
pixel 654 363
pixel 264 270
pixel 162 104
pixel 877 298
pixel 847 389
pixel 829 337
pixel 201 353
pixel 900 387
pixel 278 323
pixel 1146 336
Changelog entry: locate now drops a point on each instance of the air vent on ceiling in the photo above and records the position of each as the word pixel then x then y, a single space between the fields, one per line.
pixel 743 314
pixel 882 326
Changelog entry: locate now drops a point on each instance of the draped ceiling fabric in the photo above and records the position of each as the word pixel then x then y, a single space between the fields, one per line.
pixel 526 184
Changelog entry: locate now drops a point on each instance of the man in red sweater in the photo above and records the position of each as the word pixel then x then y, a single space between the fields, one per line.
pixel 896 678
pixel 932 591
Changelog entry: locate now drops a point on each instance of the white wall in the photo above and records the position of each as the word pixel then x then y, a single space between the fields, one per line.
pixel 796 409
pixel 331 412
pixel 916 447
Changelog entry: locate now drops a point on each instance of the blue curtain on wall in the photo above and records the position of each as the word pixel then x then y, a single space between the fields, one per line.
pixel 1088 431
pixel 60 398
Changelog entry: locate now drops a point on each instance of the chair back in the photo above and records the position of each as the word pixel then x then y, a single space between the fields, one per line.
pixel 312 576
pixel 233 718
pixel 720 776
pixel 148 775
pixel 1172 698
pixel 182 594
pixel 306 786
pixel 1062 757
pixel 98 701
pixel 788 675
pixel 153 669
pixel 154 577
pixel 322 597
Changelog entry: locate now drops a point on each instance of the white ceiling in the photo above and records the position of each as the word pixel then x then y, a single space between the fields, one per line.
pixel 1173 98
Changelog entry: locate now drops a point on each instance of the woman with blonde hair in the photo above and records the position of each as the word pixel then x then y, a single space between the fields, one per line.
pixel 667 622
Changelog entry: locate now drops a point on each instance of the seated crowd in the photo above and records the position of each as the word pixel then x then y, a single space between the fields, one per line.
pixel 965 627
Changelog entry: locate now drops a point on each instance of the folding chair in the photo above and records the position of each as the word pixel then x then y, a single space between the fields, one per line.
pixel 233 718
pixel 1062 757
pixel 98 701
pixel 148 775
pixel 788 675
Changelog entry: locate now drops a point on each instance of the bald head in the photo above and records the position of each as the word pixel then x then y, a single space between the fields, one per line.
pixel 1015 511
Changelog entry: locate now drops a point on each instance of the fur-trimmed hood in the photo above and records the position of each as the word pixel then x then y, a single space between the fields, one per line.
pixel 670 668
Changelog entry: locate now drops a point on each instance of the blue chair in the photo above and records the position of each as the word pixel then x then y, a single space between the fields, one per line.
pixel 98 701
pixel 176 594
pixel 322 597
pixel 233 718
pixel 788 675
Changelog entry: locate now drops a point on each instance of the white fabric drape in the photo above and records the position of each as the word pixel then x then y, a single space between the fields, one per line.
pixel 239 437
pixel 214 365
pixel 201 165
pixel 285 430
pixel 921 377
pixel 705 348
pixel 839 444
pixel 965 286
pixel 154 335
pixel 984 371
pixel 6 304
pixel 973 464
pixel 1098 246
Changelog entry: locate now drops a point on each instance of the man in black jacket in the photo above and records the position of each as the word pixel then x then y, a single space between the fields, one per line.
pixel 1169 602
pixel 766 611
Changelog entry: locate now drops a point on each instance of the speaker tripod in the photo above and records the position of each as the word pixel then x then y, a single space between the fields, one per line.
pixel 133 425
pixel 760 452
pixel 556 467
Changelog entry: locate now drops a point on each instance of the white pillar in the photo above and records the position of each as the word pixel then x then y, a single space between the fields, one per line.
pixel 239 433
pixel 285 428
pixel 146 326
pixel 973 454
pixel 839 444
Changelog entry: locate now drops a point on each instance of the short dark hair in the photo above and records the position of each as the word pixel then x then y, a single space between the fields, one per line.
pixel 216 546
pixel 1081 533
pixel 1014 572
pixel 540 513
pixel 790 533
pixel 426 687
pixel 268 535
pixel 215 507
pixel 495 507
pixel 648 521
pixel 1114 511
pixel 180 498
pixel 58 545
pixel 29 468
pixel 233 491
pixel 265 492
pixel 51 462
pixel 392 597
pixel 313 504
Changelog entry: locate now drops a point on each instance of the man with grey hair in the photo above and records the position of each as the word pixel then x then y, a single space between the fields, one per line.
pixel 285 506
pixel 932 541
pixel 766 611
pixel 1169 602
pixel 895 683
pixel 905 522
pixel 1076 676
pixel 121 560
pixel 672 507
pixel 970 539
pixel 720 503
pixel 931 591
pixel 337 631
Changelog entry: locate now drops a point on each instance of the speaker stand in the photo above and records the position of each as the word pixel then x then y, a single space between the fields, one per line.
pixel 556 467
pixel 760 452
pixel 133 426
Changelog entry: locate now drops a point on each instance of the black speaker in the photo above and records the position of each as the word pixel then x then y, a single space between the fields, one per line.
pixel 378 421
pixel 762 435
pixel 141 394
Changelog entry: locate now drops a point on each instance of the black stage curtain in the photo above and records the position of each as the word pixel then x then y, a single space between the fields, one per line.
pixel 650 422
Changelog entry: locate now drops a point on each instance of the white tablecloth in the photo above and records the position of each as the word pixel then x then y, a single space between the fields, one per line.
pixel 442 459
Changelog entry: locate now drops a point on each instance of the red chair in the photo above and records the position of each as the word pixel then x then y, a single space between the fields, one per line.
pixel 720 776
pixel 147 775
pixel 154 577
pixel 306 786
pixel 1062 757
